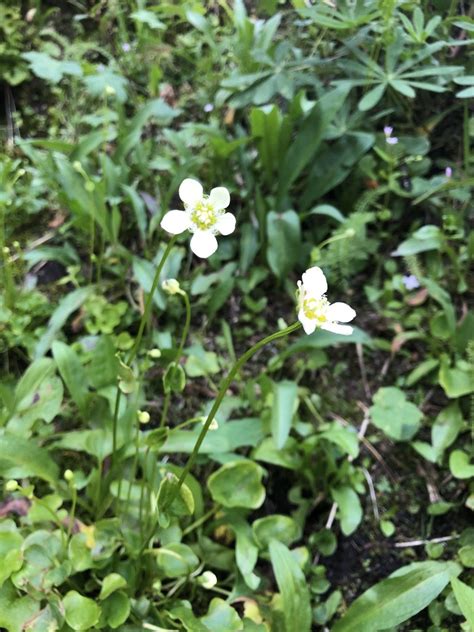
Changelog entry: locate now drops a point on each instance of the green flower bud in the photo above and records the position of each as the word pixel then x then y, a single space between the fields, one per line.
pixel 154 353
pixel 11 486
pixel 207 580
pixel 143 416
pixel 68 475
pixel 171 286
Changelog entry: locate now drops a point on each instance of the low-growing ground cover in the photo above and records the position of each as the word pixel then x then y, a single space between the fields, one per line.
pixel 236 316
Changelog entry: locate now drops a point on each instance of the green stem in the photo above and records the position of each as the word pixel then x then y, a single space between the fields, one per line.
pixel 134 467
pixel 72 516
pixel 138 339
pixel 187 322
pixel 222 392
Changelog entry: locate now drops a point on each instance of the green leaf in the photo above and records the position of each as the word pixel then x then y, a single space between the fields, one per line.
pixel 72 372
pixel 20 455
pixel 465 597
pixel 127 381
pixel 11 554
pixel 156 438
pixel 275 527
pixel 98 84
pixel 456 381
pixel 15 611
pixel 81 613
pixel 392 413
pixel 285 403
pixel 111 583
pixel 424 368
pixel 397 598
pixel 246 553
pixel 308 138
pixel 32 378
pixel 237 484
pixel 46 67
pixel 184 614
pixel 424 239
pixel 176 560
pixel 221 616
pixel 329 211
pixel 182 504
pixel 69 304
pixel 174 378
pixel 466 555
pixel 372 97
pixel 116 609
pixel 284 241
pixel 149 18
pixel 293 588
pixel 460 466
pixel 446 427
pixel 349 507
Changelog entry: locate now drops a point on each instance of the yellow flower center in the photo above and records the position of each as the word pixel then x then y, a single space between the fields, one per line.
pixel 316 309
pixel 203 215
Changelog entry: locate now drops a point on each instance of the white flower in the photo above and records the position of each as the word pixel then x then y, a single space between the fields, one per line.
pixel 203 215
pixel 314 309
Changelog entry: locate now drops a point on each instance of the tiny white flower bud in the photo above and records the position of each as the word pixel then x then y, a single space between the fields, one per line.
pixel 171 286
pixel 143 416
pixel 207 580
pixel 350 232
pixel 68 475
pixel 109 91
pixel 154 353
pixel 76 165
pixel 11 486
pixel 6 250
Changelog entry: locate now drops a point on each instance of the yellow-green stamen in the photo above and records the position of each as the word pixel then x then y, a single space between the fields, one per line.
pixel 203 215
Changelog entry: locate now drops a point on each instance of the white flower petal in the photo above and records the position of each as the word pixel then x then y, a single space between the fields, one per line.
pixel 344 330
pixel 226 224
pixel 309 325
pixel 203 244
pixel 341 312
pixel 219 198
pixel 190 191
pixel 315 282
pixel 175 222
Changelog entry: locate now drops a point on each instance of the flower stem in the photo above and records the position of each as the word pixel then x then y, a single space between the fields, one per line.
pixel 134 350
pixel 72 515
pixel 222 391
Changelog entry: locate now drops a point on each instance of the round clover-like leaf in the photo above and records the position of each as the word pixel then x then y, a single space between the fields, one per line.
pixel 276 527
pixel 81 613
pixel 238 484
pixel 392 413
pixel 116 609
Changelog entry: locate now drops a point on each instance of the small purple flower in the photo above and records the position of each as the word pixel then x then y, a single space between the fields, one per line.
pixel 391 140
pixel 448 172
pixel 208 107
pixel 126 47
pixel 411 282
